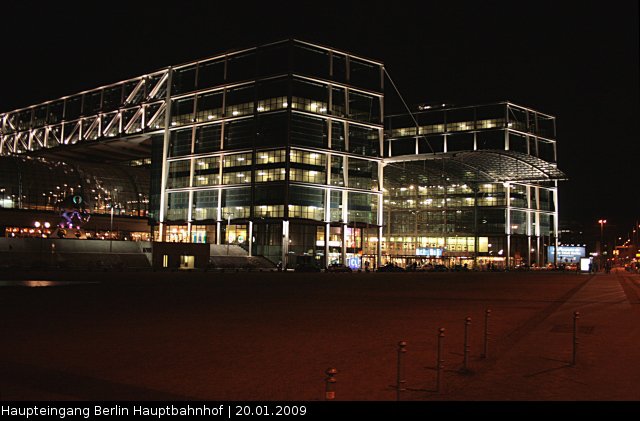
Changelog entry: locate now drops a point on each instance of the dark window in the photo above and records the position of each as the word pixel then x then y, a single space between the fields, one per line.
pixel 405 146
pixel 545 151
pixel 270 195
pixel 310 61
pixel 431 144
pixel 308 131
pixel 364 107
pixel 339 68
pixel 273 60
pixel 112 98
pixel 91 103
pixel 306 196
pixel 460 142
pixel 337 136
pixel 272 130
pixel 54 112
pixel 208 138
pixel 363 141
pixel 210 74
pixel 236 197
pixel 490 139
pixel 183 80
pixel 241 67
pixel 180 143
pixel 364 74
pixel 517 143
pixel 73 108
pixel 239 134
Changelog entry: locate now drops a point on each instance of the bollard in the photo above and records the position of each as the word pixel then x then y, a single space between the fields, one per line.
pixel 330 388
pixel 465 364
pixel 401 381
pixel 576 316
pixel 439 360
pixel 485 353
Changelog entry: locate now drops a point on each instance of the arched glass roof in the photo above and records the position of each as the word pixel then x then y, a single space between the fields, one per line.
pixel 483 166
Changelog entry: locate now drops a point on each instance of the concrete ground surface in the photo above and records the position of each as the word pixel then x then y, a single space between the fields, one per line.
pixel 270 336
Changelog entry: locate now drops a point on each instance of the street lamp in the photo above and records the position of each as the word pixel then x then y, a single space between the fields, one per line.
pixel 229 215
pixel 602 222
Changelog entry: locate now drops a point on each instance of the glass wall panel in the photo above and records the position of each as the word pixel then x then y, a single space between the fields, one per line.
pixel 310 61
pixel 308 131
pixel 273 59
pixel 182 111
pixel 208 138
pixel 241 67
pixel 91 104
pixel 72 108
pixel 490 139
pixel 306 202
pixel 335 204
pixel 338 101
pixel 112 98
pixel 518 142
pixel 209 106
pixel 546 151
pixel 363 107
pixel 270 195
pixel 54 112
pixel 177 206
pixel 180 142
pixel 339 68
pixel 179 174
pixel 431 144
pixel 205 205
pixel 211 74
pixel 363 174
pixel 207 171
pixel 460 142
pixel 337 136
pixel 239 134
pixel 364 74
pixel 236 203
pixel 363 141
pixel 310 96
pixel 361 208
pixel 337 170
pixel 239 101
pixel 272 95
pixel 271 130
pixel 184 80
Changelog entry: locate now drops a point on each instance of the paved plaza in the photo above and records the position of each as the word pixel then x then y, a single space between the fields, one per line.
pixel 270 336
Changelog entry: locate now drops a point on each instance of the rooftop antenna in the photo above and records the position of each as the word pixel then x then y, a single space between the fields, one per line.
pixel 408 109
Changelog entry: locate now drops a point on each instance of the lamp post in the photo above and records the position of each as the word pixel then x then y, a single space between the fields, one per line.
pixel 111 232
pixel 602 222
pixel 229 215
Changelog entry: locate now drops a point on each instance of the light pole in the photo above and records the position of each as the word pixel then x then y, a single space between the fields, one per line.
pixel 602 222
pixel 229 215
pixel 111 232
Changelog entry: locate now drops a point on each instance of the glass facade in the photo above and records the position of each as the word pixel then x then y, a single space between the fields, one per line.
pixel 281 149
pixel 473 199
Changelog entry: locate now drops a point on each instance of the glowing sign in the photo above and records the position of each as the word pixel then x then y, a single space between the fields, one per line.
pixel 567 254
pixel 429 251
pixel 354 262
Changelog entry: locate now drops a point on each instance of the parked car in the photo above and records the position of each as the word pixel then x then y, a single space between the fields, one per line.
pixel 390 268
pixel 337 267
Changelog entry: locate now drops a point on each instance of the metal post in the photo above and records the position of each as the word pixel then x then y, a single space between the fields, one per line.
pixel 401 381
pixel 467 323
pixel 111 231
pixel 487 314
pixel 439 360
pixel 330 381
pixel 576 316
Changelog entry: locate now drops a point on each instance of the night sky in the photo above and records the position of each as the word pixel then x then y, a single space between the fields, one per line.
pixel 576 61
